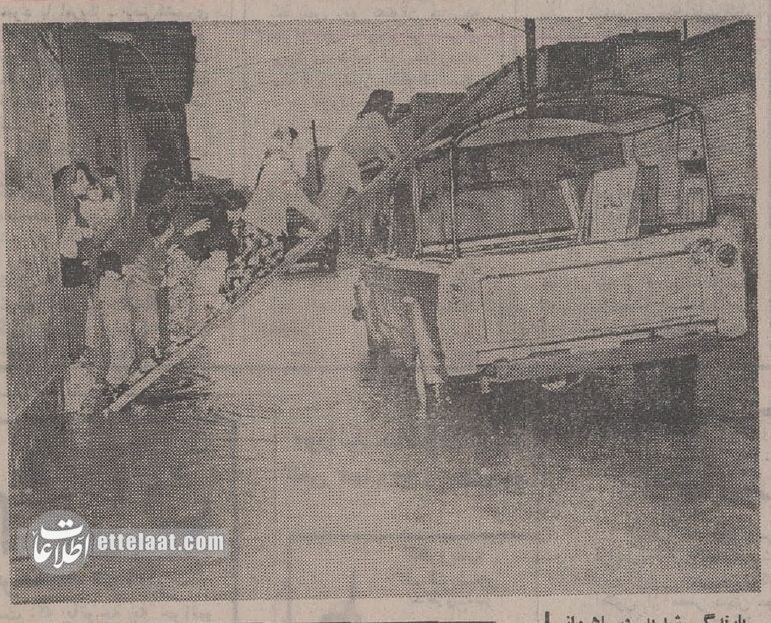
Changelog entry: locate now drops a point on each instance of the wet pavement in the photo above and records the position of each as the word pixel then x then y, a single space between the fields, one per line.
pixel 311 455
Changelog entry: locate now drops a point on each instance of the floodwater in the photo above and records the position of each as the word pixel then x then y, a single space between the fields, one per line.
pixel 313 457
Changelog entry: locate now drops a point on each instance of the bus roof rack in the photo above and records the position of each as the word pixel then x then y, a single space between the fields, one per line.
pixel 514 130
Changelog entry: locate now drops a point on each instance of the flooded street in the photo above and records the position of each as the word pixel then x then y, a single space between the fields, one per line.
pixel 310 454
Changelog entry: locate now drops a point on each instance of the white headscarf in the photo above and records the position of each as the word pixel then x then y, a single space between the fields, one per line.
pixel 279 142
pixel 277 187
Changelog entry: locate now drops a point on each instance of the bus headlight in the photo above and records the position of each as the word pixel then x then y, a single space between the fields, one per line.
pixel 701 250
pixel 726 255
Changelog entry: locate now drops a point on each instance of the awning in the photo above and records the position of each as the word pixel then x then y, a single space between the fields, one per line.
pixel 158 62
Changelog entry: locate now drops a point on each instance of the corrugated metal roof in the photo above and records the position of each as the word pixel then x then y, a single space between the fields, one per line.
pixel 740 28
pixel 159 65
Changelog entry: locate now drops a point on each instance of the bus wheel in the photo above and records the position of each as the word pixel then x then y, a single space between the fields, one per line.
pixel 432 397
pixel 374 346
pixel 679 376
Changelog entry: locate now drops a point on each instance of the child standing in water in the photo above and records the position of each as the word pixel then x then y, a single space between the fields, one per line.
pixel 146 278
pixel 181 267
pixel 112 296
pixel 189 251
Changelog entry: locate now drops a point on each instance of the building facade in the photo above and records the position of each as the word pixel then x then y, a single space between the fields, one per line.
pixel 108 95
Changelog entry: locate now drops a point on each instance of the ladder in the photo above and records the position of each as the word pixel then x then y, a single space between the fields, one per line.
pixel 377 185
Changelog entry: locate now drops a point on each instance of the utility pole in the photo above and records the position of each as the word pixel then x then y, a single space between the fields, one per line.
pixel 531 67
pixel 531 61
pixel 316 158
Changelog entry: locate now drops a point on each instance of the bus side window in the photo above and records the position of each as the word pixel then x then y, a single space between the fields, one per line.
pixel 649 195
pixel 693 190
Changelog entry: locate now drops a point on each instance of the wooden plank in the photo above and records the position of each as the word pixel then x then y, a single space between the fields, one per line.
pixel 379 184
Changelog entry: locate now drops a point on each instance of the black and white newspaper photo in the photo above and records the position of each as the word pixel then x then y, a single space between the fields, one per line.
pixel 325 311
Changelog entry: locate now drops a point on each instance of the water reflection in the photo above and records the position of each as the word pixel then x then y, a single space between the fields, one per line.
pixel 310 453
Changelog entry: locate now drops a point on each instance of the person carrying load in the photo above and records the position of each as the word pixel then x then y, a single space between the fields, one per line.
pixel 368 139
pixel 278 188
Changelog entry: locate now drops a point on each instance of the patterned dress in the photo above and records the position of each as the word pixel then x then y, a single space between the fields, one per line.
pixel 258 254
